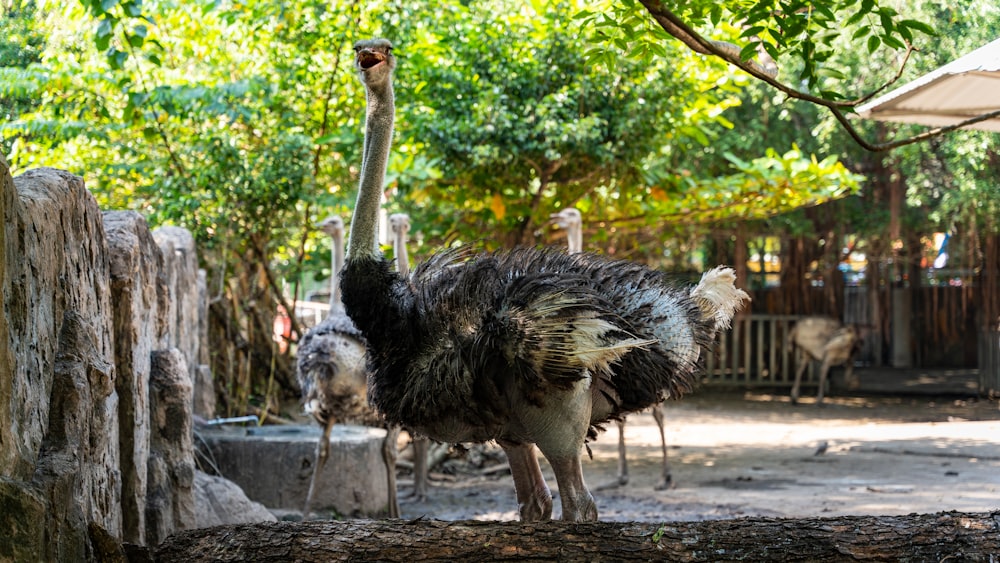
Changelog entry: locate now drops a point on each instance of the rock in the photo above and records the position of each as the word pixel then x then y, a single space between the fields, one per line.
pixel 60 482
pixel 219 501
pixel 180 267
pixel 204 385
pixel 136 284
pixel 170 500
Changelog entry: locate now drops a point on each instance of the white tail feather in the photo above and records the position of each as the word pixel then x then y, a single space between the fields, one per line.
pixel 718 297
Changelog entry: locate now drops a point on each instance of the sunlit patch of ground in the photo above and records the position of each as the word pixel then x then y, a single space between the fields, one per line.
pixel 735 454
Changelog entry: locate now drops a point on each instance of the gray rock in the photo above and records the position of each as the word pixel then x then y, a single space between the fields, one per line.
pixel 219 501
pixel 136 283
pixel 180 270
pixel 274 464
pixel 170 499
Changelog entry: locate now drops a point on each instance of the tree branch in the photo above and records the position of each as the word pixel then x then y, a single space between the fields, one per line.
pixel 677 28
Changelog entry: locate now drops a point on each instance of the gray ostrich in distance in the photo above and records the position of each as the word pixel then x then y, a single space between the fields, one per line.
pixel 525 347
pixel 333 375
pixel 571 221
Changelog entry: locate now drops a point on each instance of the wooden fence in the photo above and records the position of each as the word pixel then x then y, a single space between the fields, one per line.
pixel 989 363
pixel 756 352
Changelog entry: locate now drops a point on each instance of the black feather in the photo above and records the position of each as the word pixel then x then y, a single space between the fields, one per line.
pixel 474 336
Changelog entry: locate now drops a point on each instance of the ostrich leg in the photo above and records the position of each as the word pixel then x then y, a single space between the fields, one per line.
pixel 565 424
pixel 421 448
pixel 668 480
pixel 322 454
pixel 622 478
pixel 390 453
pixel 803 363
pixel 534 500
pixel 622 458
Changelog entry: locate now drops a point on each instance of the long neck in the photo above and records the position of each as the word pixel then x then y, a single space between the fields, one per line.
pixel 378 137
pixel 574 238
pixel 338 265
pixel 402 257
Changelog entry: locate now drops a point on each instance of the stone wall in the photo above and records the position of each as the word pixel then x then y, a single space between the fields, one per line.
pixel 95 439
pixel 187 327
pixel 59 455
pixel 140 326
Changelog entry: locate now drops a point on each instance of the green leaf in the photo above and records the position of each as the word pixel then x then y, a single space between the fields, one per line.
pixel 132 8
pixel 873 43
pixel 107 5
pixel 887 23
pixel 106 27
pixel 919 26
pixel 715 13
pixel 116 58
pixel 893 42
pixel 102 43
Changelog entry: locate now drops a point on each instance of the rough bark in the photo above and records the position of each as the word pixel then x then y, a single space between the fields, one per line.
pixel 946 536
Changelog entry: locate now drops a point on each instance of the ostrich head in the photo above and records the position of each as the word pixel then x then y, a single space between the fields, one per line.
pixel 399 223
pixel 567 218
pixel 571 220
pixel 332 225
pixel 374 61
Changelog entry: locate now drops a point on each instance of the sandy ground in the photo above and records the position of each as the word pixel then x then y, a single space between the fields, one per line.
pixel 744 454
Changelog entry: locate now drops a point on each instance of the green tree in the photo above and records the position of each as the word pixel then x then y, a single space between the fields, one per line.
pixel 242 121
pixel 21 44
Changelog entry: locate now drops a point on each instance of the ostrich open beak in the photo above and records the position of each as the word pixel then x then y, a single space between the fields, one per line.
pixel 368 58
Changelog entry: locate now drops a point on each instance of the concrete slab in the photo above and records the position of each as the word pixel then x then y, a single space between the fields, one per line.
pixel 273 465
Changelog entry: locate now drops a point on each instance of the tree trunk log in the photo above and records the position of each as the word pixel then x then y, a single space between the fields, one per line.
pixel 945 536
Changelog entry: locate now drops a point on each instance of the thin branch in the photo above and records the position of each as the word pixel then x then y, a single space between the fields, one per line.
pixel 181 170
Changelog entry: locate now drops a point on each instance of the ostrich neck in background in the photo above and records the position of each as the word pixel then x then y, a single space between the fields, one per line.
pixel 378 137
pixel 402 258
pixel 574 238
pixel 338 265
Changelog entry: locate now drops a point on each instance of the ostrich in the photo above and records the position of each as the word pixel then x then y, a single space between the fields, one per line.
pixel 525 347
pixel 332 374
pixel 824 340
pixel 571 220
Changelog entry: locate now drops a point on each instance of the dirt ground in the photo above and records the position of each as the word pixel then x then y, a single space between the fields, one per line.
pixel 736 454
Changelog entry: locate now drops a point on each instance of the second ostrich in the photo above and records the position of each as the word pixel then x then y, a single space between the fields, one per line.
pixel 332 374
pixel 526 347
pixel 571 221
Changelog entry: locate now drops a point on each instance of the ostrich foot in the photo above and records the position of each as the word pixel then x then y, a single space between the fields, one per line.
pixel 621 481
pixel 666 484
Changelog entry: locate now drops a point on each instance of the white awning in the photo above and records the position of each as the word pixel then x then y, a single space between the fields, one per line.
pixel 960 90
